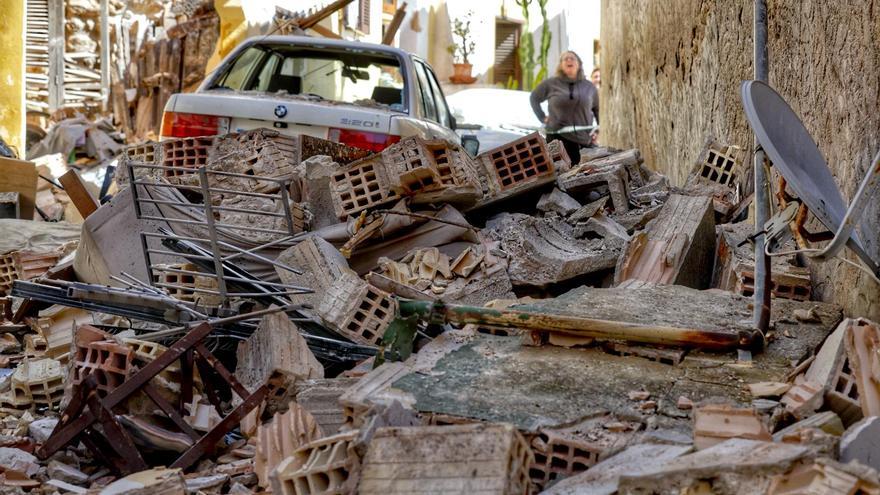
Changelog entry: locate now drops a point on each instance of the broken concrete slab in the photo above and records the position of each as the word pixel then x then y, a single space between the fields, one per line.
pixel 153 481
pixel 677 247
pixel 826 477
pixel 861 442
pixel 69 474
pixel 544 250
pixel 613 177
pixel 602 479
pixel 315 174
pixel 40 429
pixel 490 459
pixel 736 466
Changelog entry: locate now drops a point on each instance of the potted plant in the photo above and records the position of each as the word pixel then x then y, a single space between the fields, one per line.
pixel 464 47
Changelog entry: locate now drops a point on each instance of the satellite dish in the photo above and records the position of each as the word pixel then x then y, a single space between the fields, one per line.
pixel 795 155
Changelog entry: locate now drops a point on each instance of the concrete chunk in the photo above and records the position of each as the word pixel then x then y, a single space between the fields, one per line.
pixel 158 481
pixel 321 265
pixel 861 442
pixel 559 202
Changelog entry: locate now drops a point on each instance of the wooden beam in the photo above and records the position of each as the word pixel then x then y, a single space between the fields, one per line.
pixel 325 32
pixel 309 21
pixel 394 25
pixel 78 194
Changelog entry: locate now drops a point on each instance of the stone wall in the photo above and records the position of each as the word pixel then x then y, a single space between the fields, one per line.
pixel 671 73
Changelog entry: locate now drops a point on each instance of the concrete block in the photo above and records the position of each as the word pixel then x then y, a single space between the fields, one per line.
pixel 280 437
pixel 325 466
pixel 185 286
pixel 517 165
pixel 717 173
pixel 861 442
pixel 186 154
pixel 275 347
pixel 38 382
pixel 803 399
pixel 563 452
pixel 41 429
pixel 677 247
pixel 356 309
pixel 321 265
pixel 714 424
pixel 459 459
pixel 602 479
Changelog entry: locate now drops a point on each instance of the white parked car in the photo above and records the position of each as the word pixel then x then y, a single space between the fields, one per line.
pixel 494 116
pixel 359 94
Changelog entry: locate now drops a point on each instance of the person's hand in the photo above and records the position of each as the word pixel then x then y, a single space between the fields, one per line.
pixel 547 119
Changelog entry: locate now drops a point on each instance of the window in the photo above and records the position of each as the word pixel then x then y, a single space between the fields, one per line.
pixel 240 70
pixel 362 78
pixel 428 106
pixel 439 100
pixel 363 24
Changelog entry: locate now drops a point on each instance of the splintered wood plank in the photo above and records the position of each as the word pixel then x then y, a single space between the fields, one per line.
pixel 80 196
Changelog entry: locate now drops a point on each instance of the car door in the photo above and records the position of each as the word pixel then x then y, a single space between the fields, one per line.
pixel 435 113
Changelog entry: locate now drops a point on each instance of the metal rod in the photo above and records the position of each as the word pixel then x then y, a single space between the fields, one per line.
pixel 212 232
pixel 261 258
pixel 285 203
pixel 439 312
pixel 228 226
pixel 196 205
pixel 763 275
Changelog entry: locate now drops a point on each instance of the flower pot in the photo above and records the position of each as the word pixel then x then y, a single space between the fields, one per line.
pixel 461 74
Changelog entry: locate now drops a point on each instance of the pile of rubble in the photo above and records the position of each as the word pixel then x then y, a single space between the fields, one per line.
pixel 258 312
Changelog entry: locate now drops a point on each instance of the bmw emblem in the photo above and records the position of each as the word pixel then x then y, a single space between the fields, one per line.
pixel 280 111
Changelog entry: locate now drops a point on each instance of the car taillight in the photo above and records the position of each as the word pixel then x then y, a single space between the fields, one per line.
pixel 370 141
pixel 181 125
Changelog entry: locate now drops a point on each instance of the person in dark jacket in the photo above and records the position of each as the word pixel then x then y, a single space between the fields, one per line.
pixel 572 101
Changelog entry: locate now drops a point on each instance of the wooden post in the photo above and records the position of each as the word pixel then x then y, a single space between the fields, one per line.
pixel 80 196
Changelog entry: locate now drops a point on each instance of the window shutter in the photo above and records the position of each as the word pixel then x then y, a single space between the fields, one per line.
pixel 364 16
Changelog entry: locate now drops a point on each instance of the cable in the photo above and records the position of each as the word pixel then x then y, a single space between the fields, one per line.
pixel 814 250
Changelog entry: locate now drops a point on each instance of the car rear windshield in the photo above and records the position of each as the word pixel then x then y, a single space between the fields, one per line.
pixel 365 78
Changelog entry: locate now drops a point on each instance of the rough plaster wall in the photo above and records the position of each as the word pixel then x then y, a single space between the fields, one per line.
pixel 671 73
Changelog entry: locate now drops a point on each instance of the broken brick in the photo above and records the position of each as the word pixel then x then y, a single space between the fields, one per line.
pixel 281 437
pixel 714 424
pixel 325 466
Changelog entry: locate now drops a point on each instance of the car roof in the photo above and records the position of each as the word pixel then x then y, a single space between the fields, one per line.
pixel 326 42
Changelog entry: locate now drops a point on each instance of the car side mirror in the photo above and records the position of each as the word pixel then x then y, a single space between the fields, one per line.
pixel 471 144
